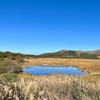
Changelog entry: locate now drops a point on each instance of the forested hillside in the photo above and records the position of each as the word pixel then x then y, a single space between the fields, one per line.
pixel 72 54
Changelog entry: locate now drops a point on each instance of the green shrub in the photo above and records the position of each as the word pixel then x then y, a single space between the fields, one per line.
pixel 9 77
pixel 9 66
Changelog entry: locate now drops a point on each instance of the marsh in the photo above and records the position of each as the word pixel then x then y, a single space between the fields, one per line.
pixel 48 70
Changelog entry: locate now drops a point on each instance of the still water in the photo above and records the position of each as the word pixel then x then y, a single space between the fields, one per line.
pixel 48 70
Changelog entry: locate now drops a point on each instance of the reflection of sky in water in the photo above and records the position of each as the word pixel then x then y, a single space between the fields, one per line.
pixel 37 70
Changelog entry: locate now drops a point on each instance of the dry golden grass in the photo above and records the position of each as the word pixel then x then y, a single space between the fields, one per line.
pixel 87 65
pixel 51 88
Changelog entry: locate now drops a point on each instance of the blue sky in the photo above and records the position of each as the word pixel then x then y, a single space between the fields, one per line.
pixel 38 26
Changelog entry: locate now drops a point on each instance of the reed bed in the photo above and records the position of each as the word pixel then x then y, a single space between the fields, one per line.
pixel 54 87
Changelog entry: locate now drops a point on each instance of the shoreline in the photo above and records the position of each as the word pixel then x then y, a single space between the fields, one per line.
pixel 87 65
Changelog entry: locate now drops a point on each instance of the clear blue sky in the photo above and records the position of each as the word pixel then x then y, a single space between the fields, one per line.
pixel 38 26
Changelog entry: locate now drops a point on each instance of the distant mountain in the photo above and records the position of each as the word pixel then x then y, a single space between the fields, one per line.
pixel 73 54
pixel 62 53
pixel 97 52
pixel 59 54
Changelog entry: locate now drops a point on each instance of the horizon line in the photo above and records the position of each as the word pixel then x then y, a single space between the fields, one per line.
pixel 35 53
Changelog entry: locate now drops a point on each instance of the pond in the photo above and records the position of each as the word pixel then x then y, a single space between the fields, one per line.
pixel 48 70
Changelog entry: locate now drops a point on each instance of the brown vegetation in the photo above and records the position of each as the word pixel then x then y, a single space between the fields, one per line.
pixel 54 87
pixel 51 88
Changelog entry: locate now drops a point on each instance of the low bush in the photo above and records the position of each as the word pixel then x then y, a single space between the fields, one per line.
pixel 9 66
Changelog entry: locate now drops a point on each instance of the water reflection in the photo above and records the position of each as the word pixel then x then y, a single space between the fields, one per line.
pixel 42 70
